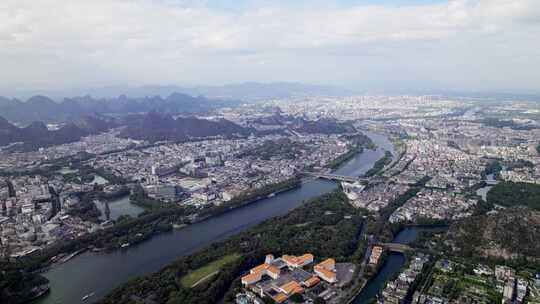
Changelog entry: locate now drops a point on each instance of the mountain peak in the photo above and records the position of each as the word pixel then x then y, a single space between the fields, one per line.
pixel 40 99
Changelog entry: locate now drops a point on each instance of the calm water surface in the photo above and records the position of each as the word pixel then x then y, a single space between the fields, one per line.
pixel 117 207
pixel 393 264
pixel 100 273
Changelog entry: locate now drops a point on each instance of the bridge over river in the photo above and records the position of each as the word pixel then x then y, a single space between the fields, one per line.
pixel 337 177
pixel 396 247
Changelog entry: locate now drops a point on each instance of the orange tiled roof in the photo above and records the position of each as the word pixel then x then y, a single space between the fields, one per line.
pixel 273 269
pixel 297 260
pixel 291 259
pixel 290 287
pixel 327 264
pixel 264 267
pixel 280 297
pixel 306 257
pixel 326 273
pixel 312 281
pixel 259 268
pixel 251 277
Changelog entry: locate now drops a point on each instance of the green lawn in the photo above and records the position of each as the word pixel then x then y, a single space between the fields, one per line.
pixel 207 271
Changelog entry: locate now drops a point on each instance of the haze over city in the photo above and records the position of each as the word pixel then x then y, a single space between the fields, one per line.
pixel 366 46
pixel 269 152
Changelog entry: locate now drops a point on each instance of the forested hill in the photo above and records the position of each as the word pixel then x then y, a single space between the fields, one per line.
pixel 37 135
pixel 509 234
pixel 509 194
pixel 157 127
pixel 152 127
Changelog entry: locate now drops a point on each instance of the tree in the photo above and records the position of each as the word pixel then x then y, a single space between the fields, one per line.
pixel 319 300
pixel 268 300
pixel 296 298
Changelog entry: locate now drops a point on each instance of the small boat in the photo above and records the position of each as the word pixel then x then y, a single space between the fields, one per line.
pixel 271 194
pixel 88 296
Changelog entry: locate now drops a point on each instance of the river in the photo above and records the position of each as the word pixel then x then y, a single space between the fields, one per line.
pixel 99 273
pixel 392 265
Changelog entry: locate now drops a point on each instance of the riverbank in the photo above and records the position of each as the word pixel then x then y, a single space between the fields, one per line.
pixel 250 198
pixel 84 274
pixel 360 142
pixel 340 160
pixel 326 214
pixel 138 229
pixel 380 164
pixel 393 262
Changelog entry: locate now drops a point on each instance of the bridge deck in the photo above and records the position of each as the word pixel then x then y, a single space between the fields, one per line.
pixel 337 177
pixel 396 247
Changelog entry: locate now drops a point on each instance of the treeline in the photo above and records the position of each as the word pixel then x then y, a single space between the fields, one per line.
pixel 322 227
pixel 338 161
pixel 499 123
pixel 250 197
pixel 16 286
pixel 493 167
pixel 282 148
pixel 87 174
pixel 510 236
pixel 381 226
pixel 86 209
pixel 51 167
pixel 128 230
pixel 359 142
pixel 140 198
pixel 509 194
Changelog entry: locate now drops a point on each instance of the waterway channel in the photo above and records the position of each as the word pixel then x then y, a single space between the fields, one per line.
pixel 392 265
pixel 99 273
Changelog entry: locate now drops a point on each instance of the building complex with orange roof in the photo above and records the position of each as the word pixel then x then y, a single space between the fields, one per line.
pixel 287 276
pixel 298 261
pixel 326 270
pixel 256 273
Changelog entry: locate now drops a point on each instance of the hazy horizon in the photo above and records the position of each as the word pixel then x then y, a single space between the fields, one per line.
pixel 365 46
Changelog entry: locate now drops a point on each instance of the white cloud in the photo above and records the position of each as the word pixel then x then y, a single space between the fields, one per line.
pixel 79 42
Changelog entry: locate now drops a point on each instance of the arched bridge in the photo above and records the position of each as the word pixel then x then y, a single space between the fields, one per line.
pixel 396 247
pixel 337 177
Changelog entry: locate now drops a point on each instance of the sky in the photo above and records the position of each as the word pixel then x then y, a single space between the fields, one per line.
pixel 476 45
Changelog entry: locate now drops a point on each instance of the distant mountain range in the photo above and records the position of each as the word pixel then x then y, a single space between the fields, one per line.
pixel 157 127
pixel 152 127
pixel 42 108
pixel 36 135
pixel 247 92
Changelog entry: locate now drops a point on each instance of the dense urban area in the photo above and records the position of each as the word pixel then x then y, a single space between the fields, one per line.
pixel 455 202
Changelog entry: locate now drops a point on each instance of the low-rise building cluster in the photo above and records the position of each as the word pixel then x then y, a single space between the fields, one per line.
pixel 395 291
pixel 434 204
pixel 450 283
